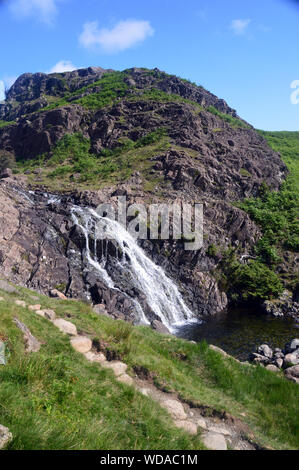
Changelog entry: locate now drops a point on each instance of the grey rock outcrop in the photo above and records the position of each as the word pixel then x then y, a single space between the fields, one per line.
pixel 278 359
pixel 5 436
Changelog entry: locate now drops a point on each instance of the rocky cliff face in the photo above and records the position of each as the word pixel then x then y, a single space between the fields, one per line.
pixel 212 156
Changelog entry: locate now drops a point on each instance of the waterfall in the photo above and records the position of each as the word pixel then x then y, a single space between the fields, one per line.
pixel 161 294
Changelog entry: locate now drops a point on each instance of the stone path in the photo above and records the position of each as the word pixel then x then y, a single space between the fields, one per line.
pixel 216 434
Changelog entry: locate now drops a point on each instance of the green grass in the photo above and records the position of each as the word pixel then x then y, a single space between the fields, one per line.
pixel 277 212
pixel 71 156
pixel 6 123
pixel 112 88
pixel 232 121
pixel 55 399
pixel 108 89
pixel 159 96
pixel 253 282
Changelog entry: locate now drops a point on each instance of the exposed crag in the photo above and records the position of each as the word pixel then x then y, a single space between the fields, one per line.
pixel 92 135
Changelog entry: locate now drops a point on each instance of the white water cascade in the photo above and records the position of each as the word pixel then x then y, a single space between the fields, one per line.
pixel 161 294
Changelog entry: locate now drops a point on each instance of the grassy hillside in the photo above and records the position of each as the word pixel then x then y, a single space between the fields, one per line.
pixel 277 215
pixel 72 163
pixel 277 212
pixel 55 399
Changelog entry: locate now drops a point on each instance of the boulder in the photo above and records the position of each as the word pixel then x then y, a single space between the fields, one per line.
pixel 125 379
pixel 41 313
pixel 187 426
pixel 6 173
pixel 272 368
pixel 56 294
pixel 81 344
pixel 259 359
pixel 119 368
pixel 175 408
pixel 159 327
pixel 292 346
pixel 222 352
pixel 34 308
pixel 292 373
pixel 5 436
pixel 265 350
pixel 95 357
pixel 32 344
pixel 65 326
pixel 100 309
pixel 49 314
pixel 214 441
pixel 201 423
pixel 291 359
pixel 279 362
pixel 20 303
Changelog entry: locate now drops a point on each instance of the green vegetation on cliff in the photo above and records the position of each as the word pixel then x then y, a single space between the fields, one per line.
pixel 277 215
pixel 232 121
pixel 277 212
pixel 253 281
pixel 6 123
pixel 71 160
pixel 56 399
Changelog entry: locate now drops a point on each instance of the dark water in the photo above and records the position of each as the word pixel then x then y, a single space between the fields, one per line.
pixel 238 332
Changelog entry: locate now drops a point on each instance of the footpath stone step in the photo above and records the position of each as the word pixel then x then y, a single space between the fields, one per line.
pixel 65 326
pixel 214 441
pixel 213 437
pixel 34 308
pixel 175 408
pixel 201 423
pixel 95 357
pixel 50 314
pixel 219 430
pixel 119 368
pixel 187 426
pixel 20 303
pixel 125 379
pixel 82 344
pixel 47 314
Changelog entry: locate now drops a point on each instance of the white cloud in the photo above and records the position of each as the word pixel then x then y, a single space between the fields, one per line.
pixel 123 35
pixel 62 66
pixel 44 10
pixel 9 81
pixel 239 27
pixel 2 90
pixel 5 84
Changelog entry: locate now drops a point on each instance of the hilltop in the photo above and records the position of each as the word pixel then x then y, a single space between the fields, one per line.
pixel 93 134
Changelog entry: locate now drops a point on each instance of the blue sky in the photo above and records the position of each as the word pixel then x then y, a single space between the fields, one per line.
pixel 243 51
